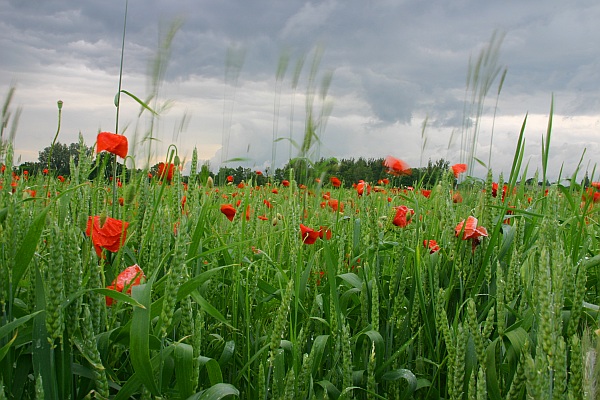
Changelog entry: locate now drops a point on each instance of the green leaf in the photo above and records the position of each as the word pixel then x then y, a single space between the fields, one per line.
pixel 375 338
pixel 491 373
pixel 42 354
pixel 11 326
pixel 352 279
pixel 118 296
pixel 216 392
pixel 4 349
pixel 140 336
pixel 227 353
pixel 138 100
pixel 317 351
pixel 405 374
pixel 213 369
pixel 184 366
pixel 27 249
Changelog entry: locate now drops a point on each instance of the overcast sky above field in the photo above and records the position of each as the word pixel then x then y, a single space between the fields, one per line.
pixel 393 64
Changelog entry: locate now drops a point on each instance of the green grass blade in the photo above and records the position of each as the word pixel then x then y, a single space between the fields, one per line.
pixel 184 366
pixel 11 326
pixel 216 392
pixel 4 349
pixel 27 249
pixel 213 369
pixel 139 101
pixel 140 336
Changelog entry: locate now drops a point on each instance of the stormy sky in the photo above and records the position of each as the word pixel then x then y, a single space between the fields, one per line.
pixel 376 78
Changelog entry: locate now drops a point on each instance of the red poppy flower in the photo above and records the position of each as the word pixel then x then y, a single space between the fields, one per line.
pixel 362 187
pixel 263 217
pixel 308 235
pixel 2 168
pixel 275 191
pixel 258 172
pixel 129 277
pixel 45 171
pixel 596 185
pixel 396 166
pixel 267 203
pixel 325 233
pixel 335 205
pixel 183 201
pixel 458 169
pixel 109 236
pixel 335 182
pixel 402 217
pixel 113 143
pixel 229 211
pixel 285 183
pixel 60 178
pixel 241 185
pixel 591 195
pixel 431 245
pixel 457 198
pixel 230 178
pixel 426 192
pixel 471 230
pixel 165 171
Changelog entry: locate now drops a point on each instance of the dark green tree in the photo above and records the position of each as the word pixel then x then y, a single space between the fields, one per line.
pixel 60 157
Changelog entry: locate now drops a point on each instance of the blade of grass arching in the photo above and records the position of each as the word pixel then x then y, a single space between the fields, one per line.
pixel 184 366
pixel 209 308
pixel 216 392
pixel 140 336
pixel 518 157
pixel 138 100
pixel 405 374
pixel 213 369
pixel 546 149
pixel 4 349
pixel 376 339
pixel 11 326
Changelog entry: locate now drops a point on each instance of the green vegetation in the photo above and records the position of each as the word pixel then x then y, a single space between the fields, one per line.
pixel 124 283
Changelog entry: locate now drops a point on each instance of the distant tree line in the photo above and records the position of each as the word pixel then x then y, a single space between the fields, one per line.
pixel 61 158
pixel 348 170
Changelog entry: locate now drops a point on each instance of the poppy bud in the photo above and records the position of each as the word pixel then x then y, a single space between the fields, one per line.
pixel 209 182
pixel 60 104
pixel 176 161
pixel 103 217
pixel 130 194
